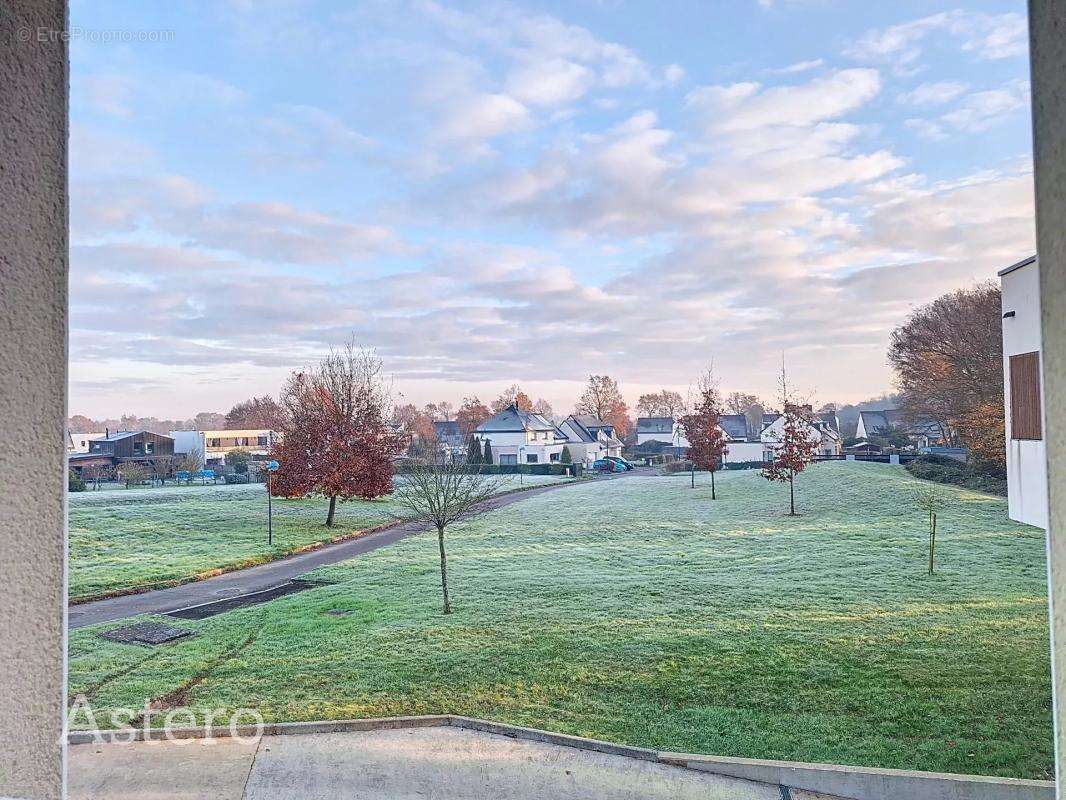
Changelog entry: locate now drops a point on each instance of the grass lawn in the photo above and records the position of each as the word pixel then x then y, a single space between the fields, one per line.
pixel 640 611
pixel 123 540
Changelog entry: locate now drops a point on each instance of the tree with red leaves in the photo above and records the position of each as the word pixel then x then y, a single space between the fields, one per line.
pixel 706 441
pixel 471 414
pixel 335 440
pixel 603 399
pixel 796 445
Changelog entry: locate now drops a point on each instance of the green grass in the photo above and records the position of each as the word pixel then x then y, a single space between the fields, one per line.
pixel 125 540
pixel 640 611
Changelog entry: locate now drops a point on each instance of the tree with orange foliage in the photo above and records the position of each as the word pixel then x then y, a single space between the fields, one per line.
pixel 513 395
pixel 707 442
pixel 335 440
pixel 471 414
pixel 797 446
pixel 603 399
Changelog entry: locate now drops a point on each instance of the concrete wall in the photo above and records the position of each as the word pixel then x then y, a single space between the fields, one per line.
pixel 1026 458
pixel 33 363
pixel 1047 41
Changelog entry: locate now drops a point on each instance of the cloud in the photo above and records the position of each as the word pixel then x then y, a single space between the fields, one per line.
pixel 798 67
pixel 975 112
pixel 932 94
pixel 987 36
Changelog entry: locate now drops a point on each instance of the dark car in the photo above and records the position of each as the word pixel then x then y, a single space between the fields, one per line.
pixel 626 466
pixel 607 465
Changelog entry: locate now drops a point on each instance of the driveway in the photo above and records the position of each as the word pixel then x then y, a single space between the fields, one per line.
pixel 274 573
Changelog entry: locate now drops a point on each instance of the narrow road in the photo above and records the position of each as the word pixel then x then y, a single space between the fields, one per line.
pixel 271 574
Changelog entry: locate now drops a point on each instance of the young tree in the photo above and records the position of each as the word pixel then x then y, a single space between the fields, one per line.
pixel 473 451
pixel 134 473
pixel 190 462
pixel 566 457
pixel 932 500
pixel 238 459
pixel 440 494
pixel 335 440
pixel 948 358
pixel 707 442
pixel 257 412
pixel 487 457
pixel 471 414
pixel 603 399
pixel 162 467
pixel 513 395
pixel 666 403
pixel 797 444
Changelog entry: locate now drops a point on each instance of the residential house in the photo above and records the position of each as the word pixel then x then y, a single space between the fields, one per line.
pixel 115 449
pixel 921 433
pixel 450 439
pixel 589 438
pixel 521 437
pixel 79 442
pixel 824 429
pixel 1023 394
pixel 661 429
pixel 214 445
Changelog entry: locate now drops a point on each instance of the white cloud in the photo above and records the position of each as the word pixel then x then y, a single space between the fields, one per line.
pixel 549 82
pixel 798 67
pixel 932 94
pixel 975 112
pixel 482 116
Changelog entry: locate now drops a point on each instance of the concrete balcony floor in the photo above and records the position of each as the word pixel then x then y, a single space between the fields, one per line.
pixel 432 763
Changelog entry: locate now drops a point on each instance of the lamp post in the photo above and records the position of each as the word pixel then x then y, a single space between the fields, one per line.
pixel 521 456
pixel 271 467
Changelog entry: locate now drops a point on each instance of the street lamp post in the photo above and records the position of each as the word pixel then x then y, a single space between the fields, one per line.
pixel 521 456
pixel 271 467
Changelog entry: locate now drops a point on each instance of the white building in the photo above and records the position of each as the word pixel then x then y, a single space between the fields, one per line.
pixel 660 429
pixel 825 430
pixel 1023 394
pixel 589 438
pixel 79 442
pixel 521 437
pixel 214 445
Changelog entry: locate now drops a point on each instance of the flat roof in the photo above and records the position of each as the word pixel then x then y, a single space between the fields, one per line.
pixel 1024 263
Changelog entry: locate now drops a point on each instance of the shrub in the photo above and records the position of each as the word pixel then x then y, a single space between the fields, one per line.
pixel 943 469
pixel 672 467
pixel 237 477
pixel 74 482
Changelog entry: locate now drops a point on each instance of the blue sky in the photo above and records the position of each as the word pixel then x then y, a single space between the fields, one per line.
pixel 491 193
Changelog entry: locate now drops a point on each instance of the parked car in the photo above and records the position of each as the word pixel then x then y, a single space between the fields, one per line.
pixel 626 465
pixel 607 465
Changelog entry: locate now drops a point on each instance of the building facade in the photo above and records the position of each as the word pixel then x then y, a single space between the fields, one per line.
pixel 1023 395
pixel 214 445
pixel 521 437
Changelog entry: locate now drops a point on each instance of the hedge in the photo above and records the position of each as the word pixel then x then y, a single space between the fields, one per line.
pixel 942 469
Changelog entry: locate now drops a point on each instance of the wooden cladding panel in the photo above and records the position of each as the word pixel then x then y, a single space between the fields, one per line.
pixel 1025 405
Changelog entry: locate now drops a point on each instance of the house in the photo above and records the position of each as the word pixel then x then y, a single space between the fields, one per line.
pixel 921 433
pixel 450 439
pixel 521 437
pixel 79 442
pixel 589 438
pixel 214 445
pixel 660 429
pixel 824 429
pixel 1023 394
pixel 115 449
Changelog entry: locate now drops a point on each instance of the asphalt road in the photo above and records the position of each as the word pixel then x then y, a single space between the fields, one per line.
pixel 274 573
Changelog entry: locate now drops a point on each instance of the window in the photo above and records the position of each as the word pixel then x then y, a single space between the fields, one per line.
pixel 508 459
pixel 214 442
pixel 262 441
pixel 531 458
pixel 149 447
pixel 553 457
pixel 1025 406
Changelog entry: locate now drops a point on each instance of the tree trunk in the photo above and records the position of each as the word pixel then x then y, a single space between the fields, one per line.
pixel 332 511
pixel 932 540
pixel 792 495
pixel 443 570
pixel 692 470
pixel 712 486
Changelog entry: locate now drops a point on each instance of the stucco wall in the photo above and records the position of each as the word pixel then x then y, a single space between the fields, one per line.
pixel 33 363
pixel 1047 36
pixel 1026 458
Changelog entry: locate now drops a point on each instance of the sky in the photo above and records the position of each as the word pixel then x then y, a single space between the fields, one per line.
pixel 496 193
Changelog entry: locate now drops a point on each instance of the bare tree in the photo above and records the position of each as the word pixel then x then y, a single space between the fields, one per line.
pixel 134 473
pixel 440 494
pixel 931 499
pixel 190 462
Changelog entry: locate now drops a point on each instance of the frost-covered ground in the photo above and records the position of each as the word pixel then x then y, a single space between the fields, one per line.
pixel 641 611
pixel 123 539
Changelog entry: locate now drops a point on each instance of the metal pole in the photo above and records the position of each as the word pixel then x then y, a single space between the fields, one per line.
pixel 270 513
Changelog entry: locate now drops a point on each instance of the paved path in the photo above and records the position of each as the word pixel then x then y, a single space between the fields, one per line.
pixel 271 574
pixel 427 763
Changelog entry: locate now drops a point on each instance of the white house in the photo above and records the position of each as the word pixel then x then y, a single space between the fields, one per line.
pixel 214 445
pixel 79 442
pixel 660 429
pixel 1023 394
pixel 824 429
pixel 922 433
pixel 589 438
pixel 521 437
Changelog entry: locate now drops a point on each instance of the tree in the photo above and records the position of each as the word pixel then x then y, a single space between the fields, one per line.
pixel 797 445
pixel 473 451
pixel 95 473
pixel 416 424
pixel 665 403
pixel 162 467
pixel 471 414
pixel 544 408
pixel 948 358
pixel 238 459
pixel 932 500
pixel 707 442
pixel 190 462
pixel 740 402
pixel 134 473
pixel 75 483
pixel 335 440
pixel 513 395
pixel 440 494
pixel 258 412
pixel 79 423
pixel 487 457
pixel 566 457
pixel 603 399
pixel 440 412
pixel 204 421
